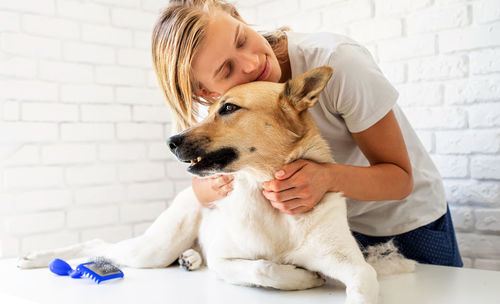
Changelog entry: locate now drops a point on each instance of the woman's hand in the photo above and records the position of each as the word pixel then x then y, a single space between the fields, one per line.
pixel 298 186
pixel 213 188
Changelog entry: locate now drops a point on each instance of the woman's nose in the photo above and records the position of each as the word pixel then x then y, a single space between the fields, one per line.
pixel 249 63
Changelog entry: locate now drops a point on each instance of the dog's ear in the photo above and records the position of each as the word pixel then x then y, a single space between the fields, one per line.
pixel 303 91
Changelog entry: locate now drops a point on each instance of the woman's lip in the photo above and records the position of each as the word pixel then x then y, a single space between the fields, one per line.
pixel 264 73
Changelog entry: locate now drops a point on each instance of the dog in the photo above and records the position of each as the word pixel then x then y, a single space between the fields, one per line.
pixel 253 131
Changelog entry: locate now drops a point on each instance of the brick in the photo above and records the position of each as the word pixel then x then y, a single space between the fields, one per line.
pixel 473 89
pixel 160 151
pixel 177 170
pixel 487 264
pixel 120 76
pixel 111 234
pixel 433 19
pixel 28 90
pixel 151 190
pixel 106 35
pixel 12 132
pixel 308 4
pixel 485 167
pixel 438 68
pixel 275 9
pixel 135 58
pixel 88 53
pixel 33 6
pixel 18 67
pixel 92 217
pixel 100 195
pixel 30 46
pixel 122 151
pixel 347 12
pixel 51 26
pixel 142 171
pixel 55 112
pixel 468 141
pixel 9 21
pixel 35 223
pixel 452 166
pixel 301 21
pixel 83 93
pixel 68 154
pixel 125 3
pixel 399 7
pixel 437 117
pixel 66 72
pixel 22 156
pixel 486 11
pixel 394 71
pixel 105 113
pixel 48 241
pixel 87 131
pixel 140 229
pixel 10 111
pixel 43 200
pixel 377 29
pixel 469 38
pixel 33 177
pixel 83 11
pixel 142 40
pixel 132 18
pixel 484 115
pixel 427 140
pixel 9 247
pixel 479 246
pixel 470 192
pixel 463 219
pixel 91 175
pixel 139 96
pixel 151 113
pixel 132 213
pixel 405 48
pixel 484 61
pixel 419 95
pixel 487 219
pixel 139 131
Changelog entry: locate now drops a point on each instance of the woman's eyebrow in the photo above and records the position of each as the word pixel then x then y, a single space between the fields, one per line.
pixel 234 42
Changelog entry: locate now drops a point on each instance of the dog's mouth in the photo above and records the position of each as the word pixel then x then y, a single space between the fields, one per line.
pixel 204 164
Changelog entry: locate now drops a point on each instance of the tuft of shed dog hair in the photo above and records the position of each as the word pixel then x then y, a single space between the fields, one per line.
pixel 386 259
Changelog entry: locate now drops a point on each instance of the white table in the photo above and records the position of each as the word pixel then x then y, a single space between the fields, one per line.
pixel 428 284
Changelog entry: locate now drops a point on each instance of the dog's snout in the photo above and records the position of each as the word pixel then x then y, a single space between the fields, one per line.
pixel 175 142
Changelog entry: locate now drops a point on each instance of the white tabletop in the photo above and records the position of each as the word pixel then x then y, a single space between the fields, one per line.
pixel 428 284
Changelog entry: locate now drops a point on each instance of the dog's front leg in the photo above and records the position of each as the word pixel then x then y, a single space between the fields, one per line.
pixel 264 273
pixel 174 231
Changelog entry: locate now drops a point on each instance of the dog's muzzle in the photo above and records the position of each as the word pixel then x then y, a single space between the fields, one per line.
pixel 203 163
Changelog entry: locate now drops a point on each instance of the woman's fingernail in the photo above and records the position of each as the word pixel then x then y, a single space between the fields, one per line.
pixel 280 173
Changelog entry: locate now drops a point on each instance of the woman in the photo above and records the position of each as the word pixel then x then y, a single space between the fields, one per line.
pixel 202 48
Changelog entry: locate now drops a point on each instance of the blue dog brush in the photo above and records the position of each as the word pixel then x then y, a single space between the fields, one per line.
pixel 100 269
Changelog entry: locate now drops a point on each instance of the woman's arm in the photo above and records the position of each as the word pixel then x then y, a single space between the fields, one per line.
pixel 389 176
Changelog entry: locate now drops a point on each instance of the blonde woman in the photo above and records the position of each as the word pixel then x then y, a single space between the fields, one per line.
pixel 202 48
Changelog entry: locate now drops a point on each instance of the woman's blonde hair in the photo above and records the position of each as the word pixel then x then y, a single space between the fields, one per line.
pixel 176 38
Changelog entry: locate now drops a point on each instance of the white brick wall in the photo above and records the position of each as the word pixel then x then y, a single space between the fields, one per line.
pixel 83 123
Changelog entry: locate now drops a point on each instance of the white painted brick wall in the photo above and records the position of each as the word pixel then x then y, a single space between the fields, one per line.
pixel 83 123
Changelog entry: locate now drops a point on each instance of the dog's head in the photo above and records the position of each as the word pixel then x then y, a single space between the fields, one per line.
pixel 253 126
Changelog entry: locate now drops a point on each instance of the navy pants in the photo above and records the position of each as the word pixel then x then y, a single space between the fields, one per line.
pixel 434 243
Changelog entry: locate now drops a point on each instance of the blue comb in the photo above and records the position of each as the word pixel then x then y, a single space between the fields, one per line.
pixel 98 270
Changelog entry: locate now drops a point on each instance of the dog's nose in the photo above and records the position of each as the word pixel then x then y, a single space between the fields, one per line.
pixel 175 142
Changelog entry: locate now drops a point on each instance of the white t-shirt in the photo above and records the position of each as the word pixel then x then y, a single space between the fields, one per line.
pixel 356 97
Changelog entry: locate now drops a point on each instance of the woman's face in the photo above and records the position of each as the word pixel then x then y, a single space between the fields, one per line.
pixel 231 54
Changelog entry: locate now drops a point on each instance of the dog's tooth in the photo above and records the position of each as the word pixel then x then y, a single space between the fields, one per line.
pixel 199 159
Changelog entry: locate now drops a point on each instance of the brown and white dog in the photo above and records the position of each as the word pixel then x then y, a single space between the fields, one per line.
pixel 251 132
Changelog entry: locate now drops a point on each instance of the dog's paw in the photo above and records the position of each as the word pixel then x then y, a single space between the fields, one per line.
pixel 34 260
pixel 190 260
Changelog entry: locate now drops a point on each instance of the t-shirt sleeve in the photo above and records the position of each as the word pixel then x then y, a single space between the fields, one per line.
pixel 358 91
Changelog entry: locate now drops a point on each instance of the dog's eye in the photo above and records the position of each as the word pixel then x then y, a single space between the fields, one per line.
pixel 228 108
